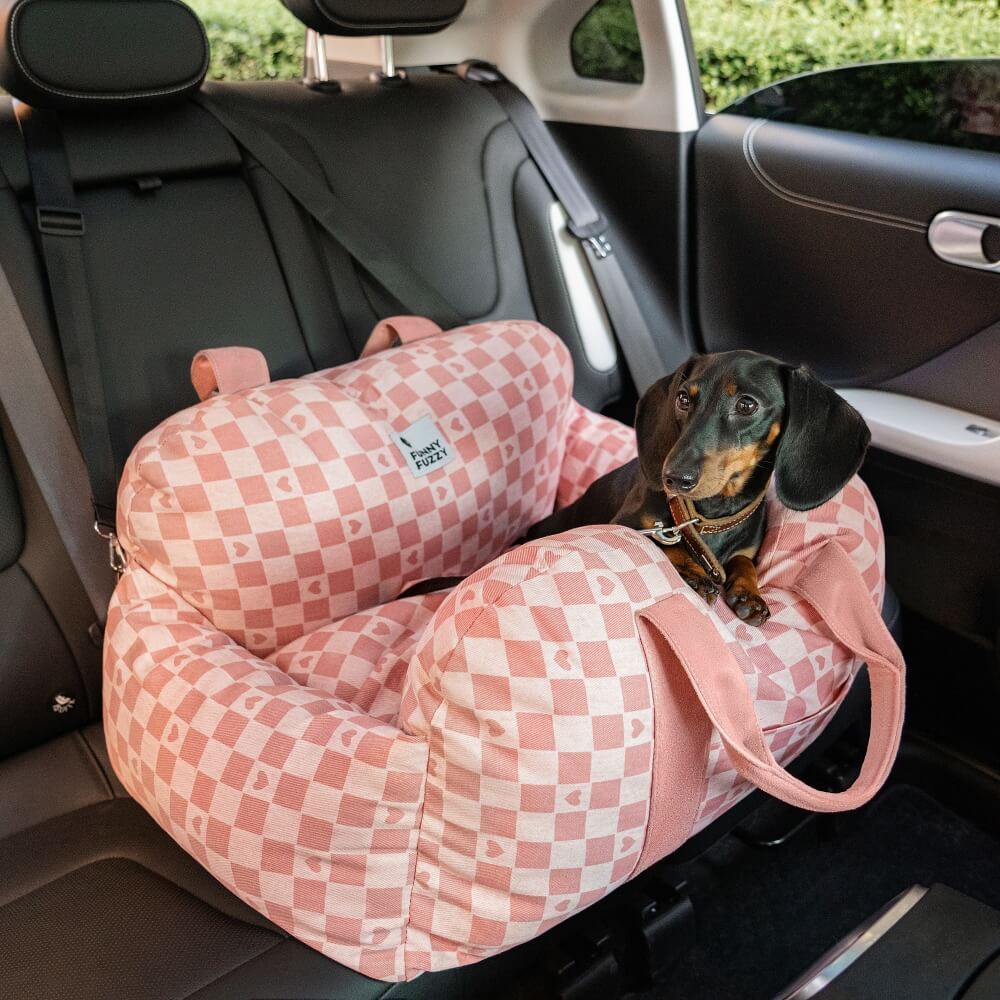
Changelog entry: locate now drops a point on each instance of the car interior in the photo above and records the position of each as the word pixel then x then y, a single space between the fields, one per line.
pixel 771 225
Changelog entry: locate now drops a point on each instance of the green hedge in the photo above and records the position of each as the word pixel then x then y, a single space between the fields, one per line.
pixel 251 39
pixel 745 44
pixel 605 44
pixel 741 44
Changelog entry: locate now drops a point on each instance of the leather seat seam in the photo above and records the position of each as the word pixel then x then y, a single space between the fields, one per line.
pixel 95 762
pixel 274 929
pixel 752 159
pixel 222 975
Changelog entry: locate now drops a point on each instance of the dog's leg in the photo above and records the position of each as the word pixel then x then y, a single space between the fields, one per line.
pixel 693 573
pixel 743 593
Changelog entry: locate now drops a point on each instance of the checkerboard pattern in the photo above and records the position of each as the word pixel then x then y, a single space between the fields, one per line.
pixel 594 446
pixel 279 509
pixel 414 783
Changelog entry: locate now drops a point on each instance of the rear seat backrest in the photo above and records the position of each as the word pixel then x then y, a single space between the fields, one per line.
pixel 178 256
pixel 188 245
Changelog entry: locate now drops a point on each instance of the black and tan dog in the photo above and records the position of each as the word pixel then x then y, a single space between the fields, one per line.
pixel 710 437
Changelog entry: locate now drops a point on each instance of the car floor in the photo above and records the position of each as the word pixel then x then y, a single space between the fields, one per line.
pixel 764 915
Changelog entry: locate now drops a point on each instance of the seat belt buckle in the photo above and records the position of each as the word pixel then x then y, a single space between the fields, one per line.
pixel 600 246
pixel 55 221
pixel 591 235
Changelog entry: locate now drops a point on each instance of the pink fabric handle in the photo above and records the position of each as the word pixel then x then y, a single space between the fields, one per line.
pixel 833 586
pixel 228 369
pixel 396 330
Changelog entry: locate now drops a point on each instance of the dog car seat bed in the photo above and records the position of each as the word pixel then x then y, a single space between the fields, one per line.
pixel 410 783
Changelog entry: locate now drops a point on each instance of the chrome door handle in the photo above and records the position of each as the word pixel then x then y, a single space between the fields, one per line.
pixel 957 237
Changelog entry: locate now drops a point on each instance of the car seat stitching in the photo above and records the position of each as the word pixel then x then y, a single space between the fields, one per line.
pixel 284 939
pixel 94 762
pixel 120 96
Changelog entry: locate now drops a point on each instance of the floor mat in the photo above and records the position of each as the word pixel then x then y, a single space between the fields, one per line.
pixel 764 916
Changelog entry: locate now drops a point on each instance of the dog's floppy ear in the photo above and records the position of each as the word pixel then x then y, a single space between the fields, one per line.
pixel 656 426
pixel 822 445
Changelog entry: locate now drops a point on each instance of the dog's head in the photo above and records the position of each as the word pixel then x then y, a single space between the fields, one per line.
pixel 720 418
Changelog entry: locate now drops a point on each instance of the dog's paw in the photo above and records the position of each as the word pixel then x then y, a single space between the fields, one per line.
pixel 748 605
pixel 702 585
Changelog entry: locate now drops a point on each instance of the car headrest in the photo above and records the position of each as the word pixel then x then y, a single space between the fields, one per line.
pixel 376 17
pixel 93 54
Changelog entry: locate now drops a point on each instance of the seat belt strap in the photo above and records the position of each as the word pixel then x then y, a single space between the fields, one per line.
pixel 61 229
pixel 49 445
pixel 646 355
pixel 335 216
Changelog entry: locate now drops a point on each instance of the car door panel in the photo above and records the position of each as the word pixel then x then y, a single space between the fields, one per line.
pixel 812 245
pixel 811 207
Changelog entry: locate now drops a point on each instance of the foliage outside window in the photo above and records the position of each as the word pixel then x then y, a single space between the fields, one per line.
pixel 741 45
pixel 745 44
pixel 605 44
pixel 952 102
pixel 251 39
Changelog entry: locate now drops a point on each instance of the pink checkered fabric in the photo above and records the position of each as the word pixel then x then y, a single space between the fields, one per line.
pixel 594 446
pixel 279 509
pixel 413 783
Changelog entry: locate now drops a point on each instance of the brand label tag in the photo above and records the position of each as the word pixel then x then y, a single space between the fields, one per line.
pixel 423 447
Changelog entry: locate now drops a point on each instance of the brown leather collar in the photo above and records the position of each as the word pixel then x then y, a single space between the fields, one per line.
pixel 694 525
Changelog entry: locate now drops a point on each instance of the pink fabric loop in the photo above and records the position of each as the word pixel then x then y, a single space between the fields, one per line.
pixel 228 369
pixel 396 330
pixel 833 586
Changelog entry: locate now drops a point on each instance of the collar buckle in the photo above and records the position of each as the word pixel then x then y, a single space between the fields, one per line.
pixel 668 534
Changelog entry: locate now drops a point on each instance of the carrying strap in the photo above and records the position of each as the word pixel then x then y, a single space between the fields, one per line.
pixel 335 216
pixel 49 445
pixel 642 350
pixel 61 229
pixel 228 369
pixel 394 331
pixel 832 585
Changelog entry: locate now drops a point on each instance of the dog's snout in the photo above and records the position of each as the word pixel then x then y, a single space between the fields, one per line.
pixel 681 480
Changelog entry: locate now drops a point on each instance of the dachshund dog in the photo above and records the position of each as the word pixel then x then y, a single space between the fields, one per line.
pixel 710 436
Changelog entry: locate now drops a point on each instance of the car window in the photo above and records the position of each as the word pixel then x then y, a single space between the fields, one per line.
pixel 951 102
pixel 743 45
pixel 251 39
pixel 605 43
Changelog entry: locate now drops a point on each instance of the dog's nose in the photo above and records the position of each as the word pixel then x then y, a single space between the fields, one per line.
pixel 682 480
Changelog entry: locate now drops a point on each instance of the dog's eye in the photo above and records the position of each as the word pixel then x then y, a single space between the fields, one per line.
pixel 745 406
pixel 683 400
